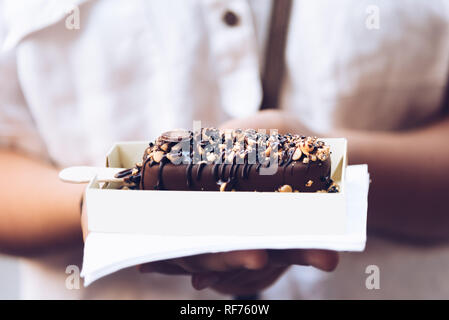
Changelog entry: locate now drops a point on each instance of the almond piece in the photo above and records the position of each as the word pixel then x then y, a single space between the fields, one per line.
pixel 267 152
pixel 165 147
pixel 158 155
pixel 297 154
pixel 230 157
pixel 223 186
pixel 285 188
pixel 211 157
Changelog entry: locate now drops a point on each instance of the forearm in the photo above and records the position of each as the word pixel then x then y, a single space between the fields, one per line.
pixel 37 211
pixel 410 174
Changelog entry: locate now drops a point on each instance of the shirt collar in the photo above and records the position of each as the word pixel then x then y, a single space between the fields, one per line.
pixel 20 20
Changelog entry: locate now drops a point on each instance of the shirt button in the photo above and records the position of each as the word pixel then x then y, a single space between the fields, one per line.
pixel 230 18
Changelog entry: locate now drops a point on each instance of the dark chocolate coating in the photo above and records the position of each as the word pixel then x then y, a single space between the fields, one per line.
pixel 304 162
pixel 239 177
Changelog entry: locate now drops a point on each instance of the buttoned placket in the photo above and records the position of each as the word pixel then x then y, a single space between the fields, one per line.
pixel 233 50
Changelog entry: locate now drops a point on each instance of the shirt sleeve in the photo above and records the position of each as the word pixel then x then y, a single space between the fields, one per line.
pixel 17 128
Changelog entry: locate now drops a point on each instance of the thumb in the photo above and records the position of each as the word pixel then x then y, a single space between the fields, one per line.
pixel 322 259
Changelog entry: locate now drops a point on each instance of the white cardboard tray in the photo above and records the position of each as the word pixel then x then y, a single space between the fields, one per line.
pixel 105 253
pixel 126 231
pixel 200 213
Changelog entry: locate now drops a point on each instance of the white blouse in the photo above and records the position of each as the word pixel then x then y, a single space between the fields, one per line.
pixel 136 68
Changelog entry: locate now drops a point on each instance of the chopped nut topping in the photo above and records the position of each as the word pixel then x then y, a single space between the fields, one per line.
pixel 165 147
pixel 285 188
pixel 297 154
pixel 211 157
pixel 158 155
pixel 233 146
pixel 230 157
pixel 223 186
pixel 175 159
pixel 267 151
pixel 176 148
pixel 334 188
pixel 252 142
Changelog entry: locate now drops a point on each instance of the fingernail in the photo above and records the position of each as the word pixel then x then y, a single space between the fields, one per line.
pixel 201 282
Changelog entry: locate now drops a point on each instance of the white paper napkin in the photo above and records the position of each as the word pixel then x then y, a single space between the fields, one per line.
pixel 105 253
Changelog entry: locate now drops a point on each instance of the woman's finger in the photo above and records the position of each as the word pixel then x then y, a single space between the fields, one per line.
pixel 224 261
pixel 322 259
pixel 242 282
pixel 84 220
pixel 163 267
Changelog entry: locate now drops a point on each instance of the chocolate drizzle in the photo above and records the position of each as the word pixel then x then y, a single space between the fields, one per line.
pixel 236 171
pixel 215 171
pixel 160 183
pixel 189 175
pixel 200 168
pixel 223 171
pixel 308 152
pixel 124 173
pixel 246 170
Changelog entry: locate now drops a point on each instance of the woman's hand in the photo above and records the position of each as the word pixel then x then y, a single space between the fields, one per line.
pixel 242 272
pixel 84 219
pixel 248 271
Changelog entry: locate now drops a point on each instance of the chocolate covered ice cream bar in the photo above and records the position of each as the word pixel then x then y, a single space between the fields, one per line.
pixel 233 160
